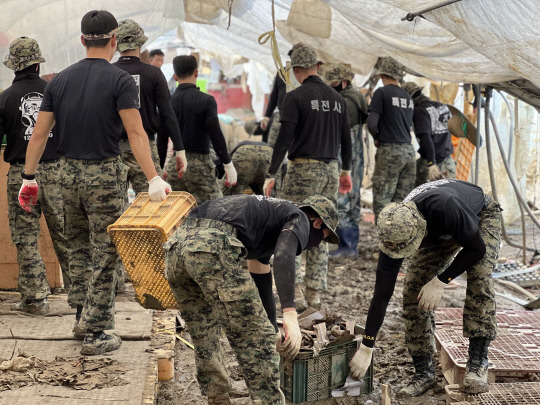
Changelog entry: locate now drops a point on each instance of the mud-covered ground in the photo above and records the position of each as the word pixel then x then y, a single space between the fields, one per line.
pixel 350 290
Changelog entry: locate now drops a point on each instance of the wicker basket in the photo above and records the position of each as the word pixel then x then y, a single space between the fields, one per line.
pixel 139 235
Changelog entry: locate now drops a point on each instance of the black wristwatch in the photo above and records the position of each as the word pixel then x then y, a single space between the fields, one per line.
pixel 27 176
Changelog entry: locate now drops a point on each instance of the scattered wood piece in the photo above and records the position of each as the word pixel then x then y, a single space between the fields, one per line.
pixel 386 398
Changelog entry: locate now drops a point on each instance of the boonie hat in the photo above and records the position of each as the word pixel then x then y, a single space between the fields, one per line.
pixel 411 87
pixel 303 56
pixel 337 72
pixel 401 228
pixel 328 213
pixel 130 35
pixel 389 67
pixel 23 52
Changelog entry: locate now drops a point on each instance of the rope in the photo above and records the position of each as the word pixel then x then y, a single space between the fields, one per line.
pixel 271 35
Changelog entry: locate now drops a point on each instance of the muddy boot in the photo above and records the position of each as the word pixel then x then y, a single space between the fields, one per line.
pixel 99 343
pixel 78 331
pixel 299 298
pixel 34 307
pixel 476 373
pixel 313 298
pixel 221 399
pixel 424 377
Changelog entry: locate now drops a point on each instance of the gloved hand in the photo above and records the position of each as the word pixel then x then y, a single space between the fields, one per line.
pixel 181 163
pixel 264 123
pixel 431 294
pixel 268 186
pixel 164 175
pixel 360 362
pixel 345 182
pixel 434 173
pixel 293 337
pixel 230 174
pixel 158 189
pixel 28 194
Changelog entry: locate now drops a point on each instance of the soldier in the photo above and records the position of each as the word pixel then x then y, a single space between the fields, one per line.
pixel 270 120
pixel 430 121
pixel 89 102
pixel 435 222
pixel 205 268
pixel 314 125
pixel 199 125
pixel 153 97
pixel 19 107
pixel 339 76
pixel 156 57
pixel 389 121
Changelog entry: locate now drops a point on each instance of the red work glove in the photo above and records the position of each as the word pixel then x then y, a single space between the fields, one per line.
pixel 345 182
pixel 181 163
pixel 268 186
pixel 28 194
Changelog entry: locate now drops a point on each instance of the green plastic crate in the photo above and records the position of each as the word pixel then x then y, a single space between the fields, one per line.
pixel 314 378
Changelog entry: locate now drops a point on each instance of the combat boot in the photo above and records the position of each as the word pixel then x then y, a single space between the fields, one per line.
pixel 424 377
pixel 78 331
pixel 348 243
pixel 34 307
pixel 476 373
pixel 221 399
pixel 100 344
pixel 313 298
pixel 299 298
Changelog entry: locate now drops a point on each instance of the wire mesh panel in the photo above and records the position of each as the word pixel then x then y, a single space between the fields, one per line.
pixel 139 235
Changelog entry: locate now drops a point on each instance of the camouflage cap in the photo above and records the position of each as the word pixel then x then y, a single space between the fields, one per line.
pixel 389 67
pixel 249 126
pixel 411 87
pixel 303 56
pixel 337 72
pixel 130 35
pixel 328 213
pixel 401 228
pixel 23 52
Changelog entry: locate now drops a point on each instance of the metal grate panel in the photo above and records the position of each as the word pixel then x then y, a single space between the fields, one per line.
pixel 529 320
pixel 507 394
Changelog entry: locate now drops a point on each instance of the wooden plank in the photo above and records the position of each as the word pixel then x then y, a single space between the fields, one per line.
pixel 386 398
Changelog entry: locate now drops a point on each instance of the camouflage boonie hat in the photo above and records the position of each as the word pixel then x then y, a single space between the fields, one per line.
pixel 401 228
pixel 23 52
pixel 328 213
pixel 389 67
pixel 130 35
pixel 411 87
pixel 338 72
pixel 303 56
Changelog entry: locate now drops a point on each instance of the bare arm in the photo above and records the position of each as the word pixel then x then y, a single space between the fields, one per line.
pixel 138 141
pixel 38 141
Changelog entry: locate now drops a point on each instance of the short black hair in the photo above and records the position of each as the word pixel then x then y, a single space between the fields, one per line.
pixel 184 65
pixel 98 22
pixel 155 52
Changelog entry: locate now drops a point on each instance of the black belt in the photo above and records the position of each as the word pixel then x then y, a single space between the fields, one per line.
pixel 22 162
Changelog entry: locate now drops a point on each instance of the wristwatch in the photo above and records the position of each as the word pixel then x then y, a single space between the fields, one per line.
pixel 27 176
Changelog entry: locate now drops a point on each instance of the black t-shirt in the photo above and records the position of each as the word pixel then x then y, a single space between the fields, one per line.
pixel 276 96
pixel 85 99
pixel 258 221
pixel 431 118
pixel 153 96
pixel 395 107
pixel 197 117
pixel 320 115
pixel 19 108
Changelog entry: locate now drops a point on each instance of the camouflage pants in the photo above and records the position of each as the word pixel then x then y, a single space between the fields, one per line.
pixel 215 293
pixel 394 174
pixel 479 319
pixel 251 163
pixel 273 132
pixel 135 175
pixel 25 229
pixel 199 179
pixel 94 194
pixel 447 168
pixel 349 205
pixel 302 181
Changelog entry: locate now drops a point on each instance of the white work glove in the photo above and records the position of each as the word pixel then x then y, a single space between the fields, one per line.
pixel 158 189
pixel 434 173
pixel 360 362
pixel 230 174
pixel 181 163
pixel 268 186
pixel 431 294
pixel 293 337
pixel 264 123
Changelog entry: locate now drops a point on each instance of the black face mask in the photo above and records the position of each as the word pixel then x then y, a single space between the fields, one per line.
pixel 338 88
pixel 316 236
